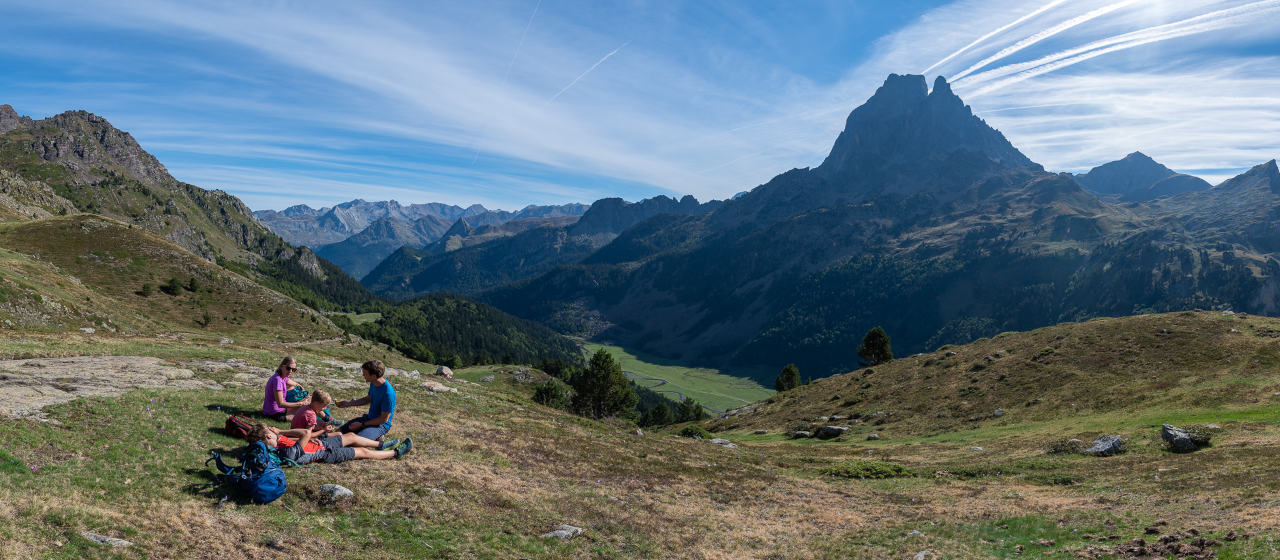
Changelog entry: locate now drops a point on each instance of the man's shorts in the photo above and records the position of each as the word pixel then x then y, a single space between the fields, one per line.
pixel 333 452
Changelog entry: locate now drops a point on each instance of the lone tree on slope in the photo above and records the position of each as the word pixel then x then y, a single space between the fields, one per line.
pixel 689 411
pixel 787 380
pixel 875 348
pixel 602 390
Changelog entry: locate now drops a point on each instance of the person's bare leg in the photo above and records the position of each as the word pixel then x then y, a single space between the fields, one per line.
pixel 363 453
pixel 353 440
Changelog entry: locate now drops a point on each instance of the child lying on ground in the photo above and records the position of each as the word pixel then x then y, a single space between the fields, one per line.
pixel 332 449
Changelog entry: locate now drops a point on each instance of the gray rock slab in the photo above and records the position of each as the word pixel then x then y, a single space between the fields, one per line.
pixel 563 532
pixel 105 540
pixel 27 386
pixel 334 493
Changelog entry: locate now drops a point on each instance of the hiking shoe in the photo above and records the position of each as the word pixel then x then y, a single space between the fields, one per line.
pixel 387 444
pixel 404 448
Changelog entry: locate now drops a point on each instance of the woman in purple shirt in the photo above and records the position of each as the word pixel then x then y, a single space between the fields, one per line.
pixel 273 404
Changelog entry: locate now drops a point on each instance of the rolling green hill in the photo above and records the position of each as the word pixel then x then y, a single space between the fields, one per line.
pixel 86 271
pixel 1139 369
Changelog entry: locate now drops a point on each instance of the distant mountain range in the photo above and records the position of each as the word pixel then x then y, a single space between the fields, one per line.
pixel 923 220
pixel 519 250
pixel 357 235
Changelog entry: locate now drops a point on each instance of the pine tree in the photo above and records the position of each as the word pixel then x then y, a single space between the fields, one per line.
pixel 689 411
pixel 875 348
pixel 602 390
pixel 657 416
pixel 787 380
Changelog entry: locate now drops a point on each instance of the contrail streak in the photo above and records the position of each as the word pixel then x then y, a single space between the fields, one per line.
pixel 1203 23
pixel 520 45
pixel 1042 35
pixel 584 74
pixel 475 156
pixel 1038 11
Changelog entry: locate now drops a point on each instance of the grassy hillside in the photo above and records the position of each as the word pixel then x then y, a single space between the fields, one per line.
pixel 85 271
pixel 492 471
pixel 711 388
pixel 1142 367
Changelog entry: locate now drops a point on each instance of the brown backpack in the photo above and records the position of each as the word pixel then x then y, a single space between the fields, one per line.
pixel 238 426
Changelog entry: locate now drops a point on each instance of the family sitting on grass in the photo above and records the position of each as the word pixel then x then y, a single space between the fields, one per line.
pixel 309 439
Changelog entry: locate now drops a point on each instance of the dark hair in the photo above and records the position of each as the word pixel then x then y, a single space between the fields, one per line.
pixel 374 367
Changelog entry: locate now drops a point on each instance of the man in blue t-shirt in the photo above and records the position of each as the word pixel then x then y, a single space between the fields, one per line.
pixel 382 405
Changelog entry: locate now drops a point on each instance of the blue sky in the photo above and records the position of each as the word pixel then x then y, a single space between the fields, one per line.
pixel 511 103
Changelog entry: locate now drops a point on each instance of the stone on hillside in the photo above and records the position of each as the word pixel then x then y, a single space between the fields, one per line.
pixel 1213 427
pixel 798 434
pixel 1178 439
pixel 926 555
pixel 724 443
pixel 105 540
pixel 828 432
pixel 976 449
pixel 87 330
pixel 487 379
pixel 333 494
pixel 437 387
pixel 563 532
pixel 445 371
pixel 873 437
pixel 760 432
pixel 1106 446
pixel 225 340
pixel 998 413
pixel 639 432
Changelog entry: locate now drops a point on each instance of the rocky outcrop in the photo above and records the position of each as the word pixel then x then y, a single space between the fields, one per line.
pixel 11 120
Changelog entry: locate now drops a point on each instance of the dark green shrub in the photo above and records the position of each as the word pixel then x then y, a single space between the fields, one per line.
pixel 866 469
pixel 696 432
pixel 553 393
pixel 1066 446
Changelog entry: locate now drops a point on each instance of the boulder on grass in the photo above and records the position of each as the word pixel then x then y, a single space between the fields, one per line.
pixel 445 371
pixel 1178 439
pixel 1106 446
pixel 829 432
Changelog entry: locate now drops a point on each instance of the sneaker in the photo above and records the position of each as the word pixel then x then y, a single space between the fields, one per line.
pixel 404 448
pixel 388 444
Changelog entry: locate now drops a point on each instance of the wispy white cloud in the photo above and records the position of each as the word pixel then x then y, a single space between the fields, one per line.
pixel 346 100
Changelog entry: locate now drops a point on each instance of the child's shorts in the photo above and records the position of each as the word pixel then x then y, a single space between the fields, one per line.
pixel 333 452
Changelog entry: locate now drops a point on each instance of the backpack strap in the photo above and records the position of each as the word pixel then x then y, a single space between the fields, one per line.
pixel 287 462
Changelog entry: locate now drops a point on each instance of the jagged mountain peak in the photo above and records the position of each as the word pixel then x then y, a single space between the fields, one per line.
pixel 905 126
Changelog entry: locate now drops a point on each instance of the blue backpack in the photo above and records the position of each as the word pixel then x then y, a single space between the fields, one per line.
pixel 259 475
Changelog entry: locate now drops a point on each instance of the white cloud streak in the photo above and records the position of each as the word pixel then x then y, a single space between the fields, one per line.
pixel 993 33
pixel 1213 21
pixel 584 74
